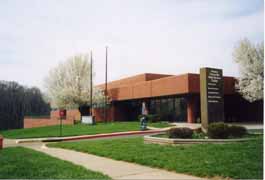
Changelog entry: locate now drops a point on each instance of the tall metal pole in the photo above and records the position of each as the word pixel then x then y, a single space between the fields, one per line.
pixel 106 86
pixel 91 83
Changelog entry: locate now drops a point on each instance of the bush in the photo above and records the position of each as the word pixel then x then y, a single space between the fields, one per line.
pixel 197 130
pixel 197 135
pixel 185 133
pixel 237 131
pixel 223 131
pixel 77 121
pixel 218 131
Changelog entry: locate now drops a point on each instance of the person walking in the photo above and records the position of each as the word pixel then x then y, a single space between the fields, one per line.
pixel 143 120
pixel 144 109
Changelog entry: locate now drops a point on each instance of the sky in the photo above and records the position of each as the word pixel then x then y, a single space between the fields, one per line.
pixel 143 36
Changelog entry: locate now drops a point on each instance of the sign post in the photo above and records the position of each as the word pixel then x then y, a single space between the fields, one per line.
pixel 62 114
pixel 212 96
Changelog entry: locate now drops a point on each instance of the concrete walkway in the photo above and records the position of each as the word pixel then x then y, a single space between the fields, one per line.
pixel 113 168
pixel 94 136
pixel 187 125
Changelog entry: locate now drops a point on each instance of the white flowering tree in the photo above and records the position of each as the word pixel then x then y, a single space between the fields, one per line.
pixel 250 58
pixel 68 84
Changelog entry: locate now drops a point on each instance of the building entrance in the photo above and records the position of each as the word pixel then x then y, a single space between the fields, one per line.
pixel 172 109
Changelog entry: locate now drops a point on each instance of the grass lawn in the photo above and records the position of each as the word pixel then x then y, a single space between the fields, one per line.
pixel 73 130
pixel 23 163
pixel 235 160
pixel 159 124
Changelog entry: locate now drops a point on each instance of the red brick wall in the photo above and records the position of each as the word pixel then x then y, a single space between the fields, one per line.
pixel 124 93
pixel 229 85
pixel 71 115
pixel 170 85
pixel 125 81
pixel 150 76
pixel 31 123
pixel 154 85
pixel 194 84
pixel 99 114
pixel 133 80
pixel 142 90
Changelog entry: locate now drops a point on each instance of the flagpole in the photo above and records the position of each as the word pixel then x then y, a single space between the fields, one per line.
pixel 106 85
pixel 91 83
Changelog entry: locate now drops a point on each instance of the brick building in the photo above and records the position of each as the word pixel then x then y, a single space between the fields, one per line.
pixel 173 97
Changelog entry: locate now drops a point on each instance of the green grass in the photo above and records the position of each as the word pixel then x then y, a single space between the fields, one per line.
pixel 72 130
pixel 235 160
pixel 159 124
pixel 22 163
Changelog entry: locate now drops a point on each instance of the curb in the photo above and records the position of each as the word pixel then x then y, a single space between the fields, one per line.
pixel 114 135
pixel 158 140
pixel 73 138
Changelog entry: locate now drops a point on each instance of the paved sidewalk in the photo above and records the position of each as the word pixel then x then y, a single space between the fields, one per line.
pixel 113 168
pixel 9 143
pixel 94 136
pixel 188 125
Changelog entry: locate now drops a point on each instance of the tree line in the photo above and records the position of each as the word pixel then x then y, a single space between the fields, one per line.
pixel 17 101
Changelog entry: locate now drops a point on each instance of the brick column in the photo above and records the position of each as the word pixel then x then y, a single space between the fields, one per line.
pixel 191 108
pixel 111 113
pixel 98 113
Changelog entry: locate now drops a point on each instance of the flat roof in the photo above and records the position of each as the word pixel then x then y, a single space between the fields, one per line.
pixel 133 80
pixel 150 85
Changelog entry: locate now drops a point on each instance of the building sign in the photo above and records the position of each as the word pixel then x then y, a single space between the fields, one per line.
pixel 62 113
pixel 212 96
pixel 87 120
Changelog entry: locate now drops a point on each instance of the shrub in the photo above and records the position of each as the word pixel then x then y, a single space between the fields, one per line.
pixel 223 131
pixel 185 133
pixel 197 130
pixel 77 121
pixel 197 135
pixel 237 131
pixel 218 130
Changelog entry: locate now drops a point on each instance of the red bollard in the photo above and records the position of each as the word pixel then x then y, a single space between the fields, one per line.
pixel 1 142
